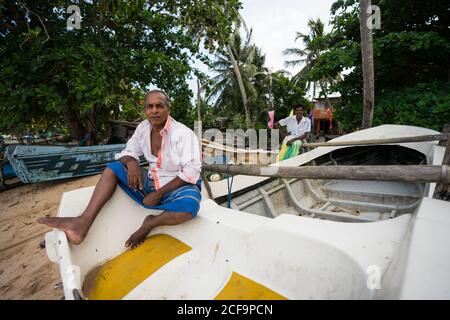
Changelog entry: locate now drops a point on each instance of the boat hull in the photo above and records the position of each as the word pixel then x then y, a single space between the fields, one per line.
pixel 44 163
pixel 401 256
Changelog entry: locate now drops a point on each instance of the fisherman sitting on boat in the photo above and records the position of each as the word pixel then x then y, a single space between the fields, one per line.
pixel 171 184
pixel 298 128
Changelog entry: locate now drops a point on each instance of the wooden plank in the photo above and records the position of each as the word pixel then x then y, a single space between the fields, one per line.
pixel 434 137
pixel 268 202
pixel 218 146
pixel 413 173
pixel 208 187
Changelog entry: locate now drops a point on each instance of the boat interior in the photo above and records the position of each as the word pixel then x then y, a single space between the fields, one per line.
pixel 186 262
pixel 338 200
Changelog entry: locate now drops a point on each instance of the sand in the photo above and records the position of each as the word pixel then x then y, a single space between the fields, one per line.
pixel 25 270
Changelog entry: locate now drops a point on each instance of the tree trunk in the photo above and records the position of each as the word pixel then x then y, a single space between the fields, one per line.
pixel 241 86
pixel 314 90
pixel 73 122
pixel 323 87
pixel 367 63
pixel 270 91
pixel 199 115
pixel 91 128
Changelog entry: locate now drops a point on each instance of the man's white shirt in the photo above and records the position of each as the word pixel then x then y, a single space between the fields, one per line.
pixel 294 128
pixel 179 155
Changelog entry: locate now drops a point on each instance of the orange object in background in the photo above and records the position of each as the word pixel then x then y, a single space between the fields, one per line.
pixel 321 114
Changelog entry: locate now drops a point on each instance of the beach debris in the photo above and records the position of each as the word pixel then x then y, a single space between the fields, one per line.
pixel 16 203
pixel 59 285
pixel 8 227
pixel 34 287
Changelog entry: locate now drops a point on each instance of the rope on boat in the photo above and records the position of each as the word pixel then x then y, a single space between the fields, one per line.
pixel 229 185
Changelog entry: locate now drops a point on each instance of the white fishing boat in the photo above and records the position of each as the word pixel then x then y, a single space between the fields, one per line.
pixel 281 238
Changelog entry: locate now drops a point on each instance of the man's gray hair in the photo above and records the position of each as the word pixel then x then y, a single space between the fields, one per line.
pixel 168 102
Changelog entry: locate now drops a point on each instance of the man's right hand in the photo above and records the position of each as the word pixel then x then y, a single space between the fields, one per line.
pixel 134 175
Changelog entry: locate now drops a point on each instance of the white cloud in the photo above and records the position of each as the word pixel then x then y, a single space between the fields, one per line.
pixel 275 24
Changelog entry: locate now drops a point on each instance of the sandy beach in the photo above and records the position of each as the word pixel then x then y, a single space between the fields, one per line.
pixel 25 270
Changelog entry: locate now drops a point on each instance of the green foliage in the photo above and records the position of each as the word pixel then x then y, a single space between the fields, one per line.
pixel 286 93
pixel 315 44
pixel 265 91
pixel 411 62
pixel 238 122
pixel 223 90
pixel 81 78
pixel 424 105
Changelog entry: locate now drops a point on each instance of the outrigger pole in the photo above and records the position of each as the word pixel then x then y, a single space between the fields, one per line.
pixel 434 137
pixel 403 173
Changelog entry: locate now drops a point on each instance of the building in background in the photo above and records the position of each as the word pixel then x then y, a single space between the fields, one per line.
pixel 322 120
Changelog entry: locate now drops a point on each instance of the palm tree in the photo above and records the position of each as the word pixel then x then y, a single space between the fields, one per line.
pixel 239 66
pixel 314 45
pixel 240 83
pixel 367 64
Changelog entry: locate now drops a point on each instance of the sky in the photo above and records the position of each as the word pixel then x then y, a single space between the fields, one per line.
pixel 275 24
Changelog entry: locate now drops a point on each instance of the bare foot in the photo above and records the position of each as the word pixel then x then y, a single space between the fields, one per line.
pixel 75 228
pixel 137 238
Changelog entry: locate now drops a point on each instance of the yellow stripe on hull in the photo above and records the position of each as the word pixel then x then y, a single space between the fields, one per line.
pixel 121 275
pixel 242 288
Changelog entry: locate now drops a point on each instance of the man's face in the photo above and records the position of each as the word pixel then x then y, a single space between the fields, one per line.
pixel 156 109
pixel 299 112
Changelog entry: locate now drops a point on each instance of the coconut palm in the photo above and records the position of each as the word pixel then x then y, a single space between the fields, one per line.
pixel 314 45
pixel 240 84
pixel 238 69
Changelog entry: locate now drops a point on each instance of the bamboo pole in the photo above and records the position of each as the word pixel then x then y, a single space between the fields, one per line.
pixel 410 173
pixel 218 146
pixel 434 137
pixel 208 187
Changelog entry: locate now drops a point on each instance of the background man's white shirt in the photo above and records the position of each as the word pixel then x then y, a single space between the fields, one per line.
pixel 294 128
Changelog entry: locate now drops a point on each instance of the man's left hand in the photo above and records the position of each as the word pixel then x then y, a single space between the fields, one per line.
pixel 289 143
pixel 152 199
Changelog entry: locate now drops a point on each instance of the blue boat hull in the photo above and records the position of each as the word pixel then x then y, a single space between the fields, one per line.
pixel 8 172
pixel 43 163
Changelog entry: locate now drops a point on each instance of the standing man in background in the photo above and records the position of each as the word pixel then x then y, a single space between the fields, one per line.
pixel 298 128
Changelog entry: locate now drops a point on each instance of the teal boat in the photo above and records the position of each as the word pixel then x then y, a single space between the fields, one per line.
pixel 8 171
pixel 34 163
